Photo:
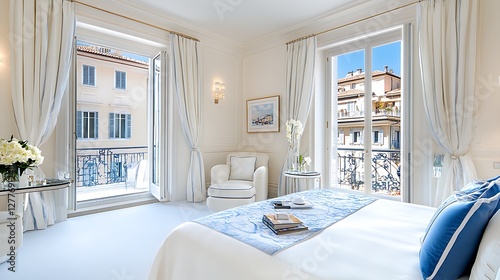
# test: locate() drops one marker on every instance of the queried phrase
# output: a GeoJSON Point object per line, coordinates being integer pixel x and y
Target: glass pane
{"type": "Point", "coordinates": [156, 118]}
{"type": "Point", "coordinates": [109, 166]}
{"type": "Point", "coordinates": [386, 119]}
{"type": "Point", "coordinates": [348, 161]}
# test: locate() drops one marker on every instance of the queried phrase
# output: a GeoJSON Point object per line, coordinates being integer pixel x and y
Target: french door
{"type": "Point", "coordinates": [367, 110]}
{"type": "Point", "coordinates": [159, 108]}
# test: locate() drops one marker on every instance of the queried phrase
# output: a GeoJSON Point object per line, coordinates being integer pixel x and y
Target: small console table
{"type": "Point", "coordinates": [296, 176]}
{"type": "Point", "coordinates": [51, 184]}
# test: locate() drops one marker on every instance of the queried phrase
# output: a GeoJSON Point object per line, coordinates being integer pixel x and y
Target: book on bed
{"type": "Point", "coordinates": [287, 223]}
{"type": "Point", "coordinates": [294, 229]}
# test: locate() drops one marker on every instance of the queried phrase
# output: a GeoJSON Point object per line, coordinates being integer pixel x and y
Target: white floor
{"type": "Point", "coordinates": [113, 245]}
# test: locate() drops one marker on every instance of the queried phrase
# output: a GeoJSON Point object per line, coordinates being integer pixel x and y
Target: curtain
{"type": "Point", "coordinates": [447, 34]}
{"type": "Point", "coordinates": [41, 34]}
{"type": "Point", "coordinates": [187, 89]}
{"type": "Point", "coordinates": [301, 56]}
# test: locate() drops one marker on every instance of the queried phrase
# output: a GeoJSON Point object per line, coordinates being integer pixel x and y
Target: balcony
{"type": "Point", "coordinates": [344, 114]}
{"type": "Point", "coordinates": [385, 170]}
{"type": "Point", "coordinates": [107, 172]}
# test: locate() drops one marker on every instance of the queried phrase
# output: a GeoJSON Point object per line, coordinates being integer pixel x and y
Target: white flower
{"type": "Point", "coordinates": [307, 160]}
{"type": "Point", "coordinates": [294, 130]}
{"type": "Point", "coordinates": [19, 153]}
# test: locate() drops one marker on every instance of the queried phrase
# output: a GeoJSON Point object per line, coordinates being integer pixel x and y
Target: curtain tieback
{"type": "Point", "coordinates": [455, 156]}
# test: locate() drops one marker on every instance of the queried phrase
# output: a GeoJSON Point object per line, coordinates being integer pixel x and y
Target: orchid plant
{"type": "Point", "coordinates": [294, 130]}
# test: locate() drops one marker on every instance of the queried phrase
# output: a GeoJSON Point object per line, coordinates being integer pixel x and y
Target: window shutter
{"type": "Point", "coordinates": [96, 125]}
{"type": "Point", "coordinates": [123, 80]}
{"type": "Point", "coordinates": [128, 127]}
{"type": "Point", "coordinates": [85, 75]}
{"type": "Point", "coordinates": [92, 75]}
{"type": "Point", "coordinates": [111, 125]}
{"type": "Point", "coordinates": [117, 79]}
{"type": "Point", "coordinates": [79, 124]}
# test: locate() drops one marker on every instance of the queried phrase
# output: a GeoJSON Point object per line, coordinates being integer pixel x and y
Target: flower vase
{"type": "Point", "coordinates": [293, 159]}
{"type": "Point", "coordinates": [10, 177]}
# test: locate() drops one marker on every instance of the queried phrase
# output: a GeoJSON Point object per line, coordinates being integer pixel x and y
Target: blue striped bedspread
{"type": "Point", "coordinates": [244, 223]}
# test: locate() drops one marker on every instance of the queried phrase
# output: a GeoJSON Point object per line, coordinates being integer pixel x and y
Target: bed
{"type": "Point", "coordinates": [380, 240]}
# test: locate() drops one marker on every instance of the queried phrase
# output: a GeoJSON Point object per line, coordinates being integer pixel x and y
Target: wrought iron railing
{"type": "Point", "coordinates": [361, 114]}
{"type": "Point", "coordinates": [99, 166]}
{"type": "Point", "coordinates": [385, 169]}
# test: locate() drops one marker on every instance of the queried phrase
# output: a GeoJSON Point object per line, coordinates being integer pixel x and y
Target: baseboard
{"type": "Point", "coordinates": [94, 207]}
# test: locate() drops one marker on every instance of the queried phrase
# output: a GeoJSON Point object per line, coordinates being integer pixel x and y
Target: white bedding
{"type": "Point", "coordinates": [380, 241]}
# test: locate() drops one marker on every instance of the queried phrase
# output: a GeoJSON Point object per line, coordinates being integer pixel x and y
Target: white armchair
{"type": "Point", "coordinates": [242, 180]}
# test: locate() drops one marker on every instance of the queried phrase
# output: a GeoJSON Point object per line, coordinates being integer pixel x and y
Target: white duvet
{"type": "Point", "coordinates": [380, 241]}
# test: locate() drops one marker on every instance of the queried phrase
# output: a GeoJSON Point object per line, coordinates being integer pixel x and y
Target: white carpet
{"type": "Point", "coordinates": [114, 245]}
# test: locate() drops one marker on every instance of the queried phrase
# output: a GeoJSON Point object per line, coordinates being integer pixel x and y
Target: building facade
{"type": "Point", "coordinates": [386, 130]}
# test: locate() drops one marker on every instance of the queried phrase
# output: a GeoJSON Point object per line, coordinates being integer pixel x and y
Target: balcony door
{"type": "Point", "coordinates": [117, 114]}
{"type": "Point", "coordinates": [367, 107]}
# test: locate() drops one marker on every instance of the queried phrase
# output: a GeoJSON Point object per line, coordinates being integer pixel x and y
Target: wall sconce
{"type": "Point", "coordinates": [219, 92]}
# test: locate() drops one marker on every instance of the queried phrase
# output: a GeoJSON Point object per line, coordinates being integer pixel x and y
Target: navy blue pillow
{"type": "Point", "coordinates": [453, 236]}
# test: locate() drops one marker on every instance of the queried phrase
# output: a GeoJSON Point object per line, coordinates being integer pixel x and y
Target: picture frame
{"type": "Point", "coordinates": [263, 114]}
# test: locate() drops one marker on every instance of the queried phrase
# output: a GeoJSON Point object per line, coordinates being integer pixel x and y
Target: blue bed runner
{"type": "Point", "coordinates": [244, 223]}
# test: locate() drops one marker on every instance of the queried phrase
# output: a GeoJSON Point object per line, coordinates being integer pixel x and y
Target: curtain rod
{"type": "Point", "coordinates": [354, 22]}
{"type": "Point", "coordinates": [136, 20]}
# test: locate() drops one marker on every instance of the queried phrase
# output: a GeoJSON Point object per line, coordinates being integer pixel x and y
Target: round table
{"type": "Point", "coordinates": [296, 176]}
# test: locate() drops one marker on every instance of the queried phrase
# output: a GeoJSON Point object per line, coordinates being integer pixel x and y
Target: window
{"type": "Point", "coordinates": [369, 134]}
{"type": "Point", "coordinates": [87, 125]}
{"type": "Point", "coordinates": [356, 136]}
{"type": "Point", "coordinates": [120, 80]}
{"type": "Point", "coordinates": [395, 138]}
{"type": "Point", "coordinates": [351, 108]}
{"type": "Point", "coordinates": [378, 136]}
{"type": "Point", "coordinates": [120, 126]}
{"type": "Point", "coordinates": [341, 137]}
{"type": "Point", "coordinates": [88, 75]}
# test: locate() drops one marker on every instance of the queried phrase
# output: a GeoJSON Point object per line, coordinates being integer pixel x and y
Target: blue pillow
{"type": "Point", "coordinates": [453, 236]}
{"type": "Point", "coordinates": [472, 190]}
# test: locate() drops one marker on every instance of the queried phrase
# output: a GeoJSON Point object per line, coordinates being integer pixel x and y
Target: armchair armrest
{"type": "Point", "coordinates": [219, 173]}
{"type": "Point", "coordinates": [260, 182]}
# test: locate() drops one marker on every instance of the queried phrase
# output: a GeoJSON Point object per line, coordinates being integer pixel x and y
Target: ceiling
{"type": "Point", "coordinates": [245, 20]}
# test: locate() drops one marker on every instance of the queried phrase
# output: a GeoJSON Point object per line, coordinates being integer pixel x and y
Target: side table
{"type": "Point", "coordinates": [296, 176]}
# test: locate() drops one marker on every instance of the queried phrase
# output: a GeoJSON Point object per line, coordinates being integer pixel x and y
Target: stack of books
{"type": "Point", "coordinates": [282, 223]}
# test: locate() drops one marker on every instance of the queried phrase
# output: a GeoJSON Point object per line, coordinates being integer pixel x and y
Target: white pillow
{"type": "Point", "coordinates": [487, 263]}
{"type": "Point", "coordinates": [242, 168]}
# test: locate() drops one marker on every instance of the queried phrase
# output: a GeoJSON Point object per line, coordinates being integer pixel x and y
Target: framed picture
{"type": "Point", "coordinates": [263, 114]}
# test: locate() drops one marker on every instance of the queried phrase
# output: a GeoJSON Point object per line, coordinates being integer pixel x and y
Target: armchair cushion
{"type": "Point", "coordinates": [242, 168]}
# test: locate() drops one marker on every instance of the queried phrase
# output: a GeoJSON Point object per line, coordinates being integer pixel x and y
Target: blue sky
{"type": "Point", "coordinates": [389, 55]}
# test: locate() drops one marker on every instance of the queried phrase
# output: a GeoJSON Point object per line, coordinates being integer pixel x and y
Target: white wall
{"type": "Point", "coordinates": [258, 70]}
{"type": "Point", "coordinates": [264, 75]}
{"type": "Point", "coordinates": [268, 52]}
{"type": "Point", "coordinates": [486, 144]}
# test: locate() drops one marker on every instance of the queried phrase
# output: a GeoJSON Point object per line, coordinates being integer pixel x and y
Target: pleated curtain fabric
{"type": "Point", "coordinates": [42, 34]}
{"type": "Point", "coordinates": [186, 79]}
{"type": "Point", "coordinates": [447, 48]}
{"type": "Point", "coordinates": [301, 57]}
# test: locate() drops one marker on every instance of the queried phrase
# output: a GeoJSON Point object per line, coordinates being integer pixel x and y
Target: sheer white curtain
{"type": "Point", "coordinates": [187, 89]}
{"type": "Point", "coordinates": [41, 33]}
{"type": "Point", "coordinates": [301, 56]}
{"type": "Point", "coordinates": [447, 34]}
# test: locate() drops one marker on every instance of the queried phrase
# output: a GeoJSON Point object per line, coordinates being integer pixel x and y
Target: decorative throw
{"type": "Point", "coordinates": [244, 223]}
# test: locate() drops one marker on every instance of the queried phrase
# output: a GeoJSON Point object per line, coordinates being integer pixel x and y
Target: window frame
{"type": "Point", "coordinates": [122, 80]}
{"type": "Point", "coordinates": [124, 129]}
{"type": "Point", "coordinates": [350, 43]}
{"type": "Point", "coordinates": [84, 82]}
{"type": "Point", "coordinates": [80, 125]}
